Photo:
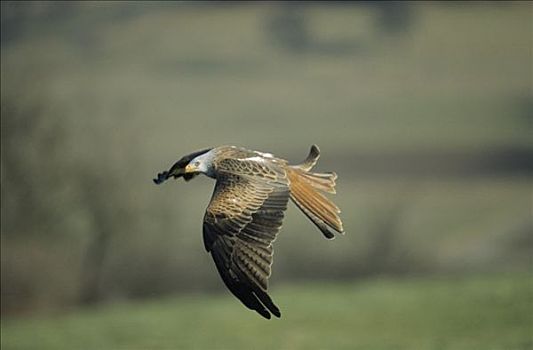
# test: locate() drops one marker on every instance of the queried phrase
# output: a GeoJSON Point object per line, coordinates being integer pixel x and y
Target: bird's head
{"type": "Point", "coordinates": [187, 167]}
{"type": "Point", "coordinates": [193, 167]}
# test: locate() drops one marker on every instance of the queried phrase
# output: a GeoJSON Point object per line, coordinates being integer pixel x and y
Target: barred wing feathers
{"type": "Point", "coordinates": [240, 224]}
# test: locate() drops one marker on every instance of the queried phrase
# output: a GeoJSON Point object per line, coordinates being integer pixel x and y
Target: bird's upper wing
{"type": "Point", "coordinates": [240, 224]}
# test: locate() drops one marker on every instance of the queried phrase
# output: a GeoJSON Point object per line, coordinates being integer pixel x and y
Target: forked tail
{"type": "Point", "coordinates": [306, 188]}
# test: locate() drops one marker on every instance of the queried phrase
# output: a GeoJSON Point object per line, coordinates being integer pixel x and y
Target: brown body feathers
{"type": "Point", "coordinates": [247, 209]}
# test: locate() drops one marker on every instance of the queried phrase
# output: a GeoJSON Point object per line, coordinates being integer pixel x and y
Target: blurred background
{"type": "Point", "coordinates": [423, 109]}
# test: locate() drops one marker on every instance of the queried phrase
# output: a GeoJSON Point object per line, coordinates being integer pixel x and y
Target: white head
{"type": "Point", "coordinates": [202, 164]}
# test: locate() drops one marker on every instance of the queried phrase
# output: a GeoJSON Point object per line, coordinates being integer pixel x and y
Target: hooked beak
{"type": "Point", "coordinates": [189, 168]}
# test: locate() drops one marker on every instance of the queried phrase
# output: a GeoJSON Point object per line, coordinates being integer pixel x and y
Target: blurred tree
{"type": "Point", "coordinates": [104, 195]}
{"type": "Point", "coordinates": [34, 169]}
{"type": "Point", "coordinates": [36, 184]}
{"type": "Point", "coordinates": [105, 223]}
{"type": "Point", "coordinates": [51, 198]}
{"type": "Point", "coordinates": [289, 27]}
{"type": "Point", "coordinates": [394, 17]}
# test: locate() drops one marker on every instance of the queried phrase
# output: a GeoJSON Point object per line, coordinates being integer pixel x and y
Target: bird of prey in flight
{"type": "Point", "coordinates": [247, 208]}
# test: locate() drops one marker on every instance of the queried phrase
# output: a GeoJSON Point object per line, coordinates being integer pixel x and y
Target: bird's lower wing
{"type": "Point", "coordinates": [240, 224]}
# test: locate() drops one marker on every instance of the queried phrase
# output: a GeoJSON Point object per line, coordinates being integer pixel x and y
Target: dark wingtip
{"type": "Point", "coordinates": [264, 313]}
{"type": "Point", "coordinates": [161, 177]}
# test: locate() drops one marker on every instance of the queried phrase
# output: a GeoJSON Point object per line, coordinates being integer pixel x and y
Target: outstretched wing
{"type": "Point", "coordinates": [240, 224]}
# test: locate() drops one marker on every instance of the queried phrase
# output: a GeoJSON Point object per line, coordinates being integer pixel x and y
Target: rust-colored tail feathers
{"type": "Point", "coordinates": [306, 188]}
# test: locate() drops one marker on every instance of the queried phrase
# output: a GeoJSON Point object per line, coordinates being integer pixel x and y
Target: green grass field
{"type": "Point", "coordinates": [493, 312]}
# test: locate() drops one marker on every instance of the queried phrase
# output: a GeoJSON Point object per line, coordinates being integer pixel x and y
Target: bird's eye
{"type": "Point", "coordinates": [197, 164]}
